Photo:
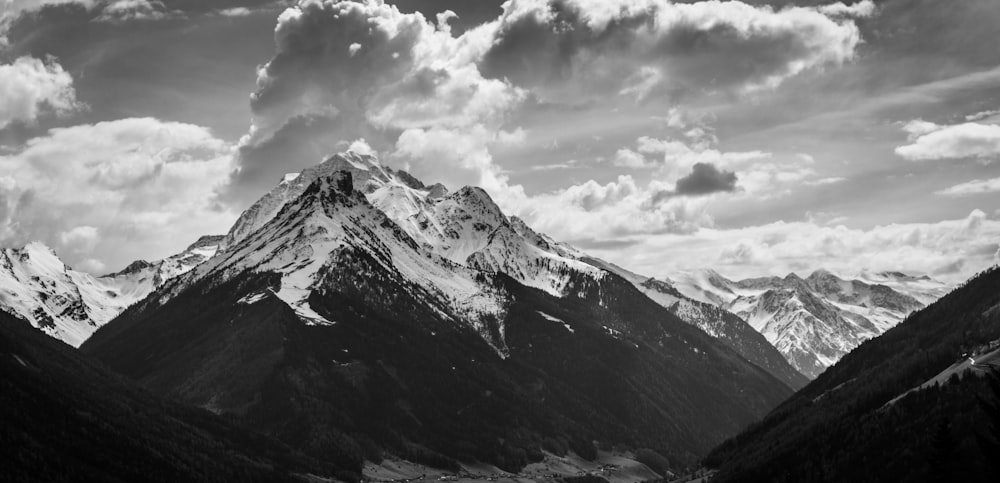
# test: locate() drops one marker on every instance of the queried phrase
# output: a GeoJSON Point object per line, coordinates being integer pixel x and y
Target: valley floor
{"type": "Point", "coordinates": [613, 467]}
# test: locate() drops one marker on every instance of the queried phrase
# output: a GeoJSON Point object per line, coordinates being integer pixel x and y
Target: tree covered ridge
{"type": "Point", "coordinates": [840, 427]}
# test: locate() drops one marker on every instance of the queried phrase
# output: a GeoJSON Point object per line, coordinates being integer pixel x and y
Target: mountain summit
{"type": "Point", "coordinates": [357, 310]}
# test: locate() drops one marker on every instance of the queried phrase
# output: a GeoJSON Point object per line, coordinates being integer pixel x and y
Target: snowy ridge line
{"type": "Point", "coordinates": [71, 305]}
{"type": "Point", "coordinates": [813, 321]}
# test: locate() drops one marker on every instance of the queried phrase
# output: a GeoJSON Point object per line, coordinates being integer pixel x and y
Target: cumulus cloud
{"type": "Point", "coordinates": [865, 8]}
{"type": "Point", "coordinates": [930, 141]}
{"type": "Point", "coordinates": [619, 208]}
{"type": "Point", "coordinates": [361, 146]}
{"type": "Point", "coordinates": [115, 191]}
{"type": "Point", "coordinates": [951, 249]}
{"type": "Point", "coordinates": [30, 86]}
{"type": "Point", "coordinates": [704, 179]}
{"type": "Point", "coordinates": [676, 158]}
{"type": "Point", "coordinates": [345, 70]}
{"type": "Point", "coordinates": [581, 48]}
{"type": "Point", "coordinates": [976, 187]}
{"type": "Point", "coordinates": [101, 10]}
{"type": "Point", "coordinates": [688, 163]}
{"type": "Point", "coordinates": [127, 10]}
{"type": "Point", "coordinates": [10, 10]}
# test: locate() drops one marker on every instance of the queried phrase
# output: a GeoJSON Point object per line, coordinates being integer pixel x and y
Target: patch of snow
{"type": "Point", "coordinates": [252, 298]}
{"type": "Point", "coordinates": [556, 320]}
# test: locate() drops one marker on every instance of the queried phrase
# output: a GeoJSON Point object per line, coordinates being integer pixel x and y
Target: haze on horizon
{"type": "Point", "coordinates": [750, 137]}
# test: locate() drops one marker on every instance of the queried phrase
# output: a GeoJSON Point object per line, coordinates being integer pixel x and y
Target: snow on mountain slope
{"type": "Point", "coordinates": [465, 227]}
{"type": "Point", "coordinates": [329, 223]}
{"type": "Point", "coordinates": [70, 305]}
{"type": "Point", "coordinates": [923, 288]}
{"type": "Point", "coordinates": [816, 320]}
{"type": "Point", "coordinates": [715, 321]}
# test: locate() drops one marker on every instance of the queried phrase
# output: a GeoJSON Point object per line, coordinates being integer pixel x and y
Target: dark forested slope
{"type": "Point", "coordinates": [848, 426]}
{"type": "Point", "coordinates": [68, 419]}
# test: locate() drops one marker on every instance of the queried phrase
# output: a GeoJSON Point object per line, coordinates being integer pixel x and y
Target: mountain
{"type": "Point", "coordinates": [354, 309]}
{"type": "Point", "coordinates": [889, 410]}
{"type": "Point", "coordinates": [812, 321]}
{"type": "Point", "coordinates": [66, 418]}
{"type": "Point", "coordinates": [725, 326]}
{"type": "Point", "coordinates": [921, 287]}
{"type": "Point", "coordinates": [70, 305]}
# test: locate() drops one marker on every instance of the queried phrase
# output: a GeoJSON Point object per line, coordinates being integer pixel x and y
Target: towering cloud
{"type": "Point", "coordinates": [118, 190]}
{"type": "Point", "coordinates": [28, 86]}
{"type": "Point", "coordinates": [345, 70]}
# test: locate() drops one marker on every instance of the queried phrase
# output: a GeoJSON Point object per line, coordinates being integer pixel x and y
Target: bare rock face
{"type": "Point", "coordinates": [343, 181]}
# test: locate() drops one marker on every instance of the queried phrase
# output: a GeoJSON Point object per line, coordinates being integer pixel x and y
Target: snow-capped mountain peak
{"type": "Point", "coordinates": [70, 305]}
{"type": "Point", "coordinates": [466, 226]}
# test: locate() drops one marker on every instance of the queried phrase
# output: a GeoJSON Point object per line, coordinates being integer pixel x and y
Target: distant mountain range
{"type": "Point", "coordinates": [70, 305]}
{"type": "Point", "coordinates": [813, 321]}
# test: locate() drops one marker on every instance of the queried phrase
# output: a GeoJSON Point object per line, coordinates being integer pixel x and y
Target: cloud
{"type": "Point", "coordinates": [100, 10]}
{"type": "Point", "coordinates": [30, 86]}
{"type": "Point", "coordinates": [627, 158]}
{"type": "Point", "coordinates": [676, 157]}
{"type": "Point", "coordinates": [979, 116]}
{"type": "Point", "coordinates": [762, 175]}
{"type": "Point", "coordinates": [361, 146]}
{"type": "Point", "coordinates": [80, 238]}
{"type": "Point", "coordinates": [11, 10]}
{"type": "Point", "coordinates": [705, 179]}
{"type": "Point", "coordinates": [620, 208]}
{"type": "Point", "coordinates": [115, 191]}
{"type": "Point", "coordinates": [865, 8]}
{"type": "Point", "coordinates": [347, 70]}
{"type": "Point", "coordinates": [235, 12]}
{"type": "Point", "coordinates": [951, 249]}
{"type": "Point", "coordinates": [568, 49]}
{"type": "Point", "coordinates": [929, 141]}
{"type": "Point", "coordinates": [825, 181]}
{"type": "Point", "coordinates": [976, 187]}
{"type": "Point", "coordinates": [130, 10]}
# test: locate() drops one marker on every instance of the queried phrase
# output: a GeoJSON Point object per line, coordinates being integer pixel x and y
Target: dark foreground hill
{"type": "Point", "coordinates": [860, 421]}
{"type": "Point", "coordinates": [68, 419]}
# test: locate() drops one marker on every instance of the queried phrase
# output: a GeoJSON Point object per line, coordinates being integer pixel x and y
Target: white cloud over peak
{"type": "Point", "coordinates": [30, 86]}
{"type": "Point", "coordinates": [362, 69]}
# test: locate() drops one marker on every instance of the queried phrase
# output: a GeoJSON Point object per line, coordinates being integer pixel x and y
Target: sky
{"type": "Point", "coordinates": [754, 138]}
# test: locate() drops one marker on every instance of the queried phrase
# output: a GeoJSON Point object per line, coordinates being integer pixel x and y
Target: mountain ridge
{"type": "Point", "coordinates": [812, 321]}
{"type": "Point", "coordinates": [336, 324]}
{"type": "Point", "coordinates": [874, 405]}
